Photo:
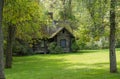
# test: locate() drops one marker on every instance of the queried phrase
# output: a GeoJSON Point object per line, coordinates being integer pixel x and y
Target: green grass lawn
{"type": "Point", "coordinates": [90, 64]}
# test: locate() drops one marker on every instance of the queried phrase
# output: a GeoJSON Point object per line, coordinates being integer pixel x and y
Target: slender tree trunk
{"type": "Point", "coordinates": [10, 41]}
{"type": "Point", "coordinates": [113, 67]}
{"type": "Point", "coordinates": [2, 76]}
{"type": "Point", "coordinates": [70, 8]}
{"type": "Point", "coordinates": [64, 10]}
{"type": "Point", "coordinates": [67, 9]}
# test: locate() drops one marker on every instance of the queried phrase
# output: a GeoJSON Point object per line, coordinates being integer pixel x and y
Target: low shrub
{"type": "Point", "coordinates": [75, 46]}
{"type": "Point", "coordinates": [21, 49]}
{"type": "Point", "coordinates": [54, 49]}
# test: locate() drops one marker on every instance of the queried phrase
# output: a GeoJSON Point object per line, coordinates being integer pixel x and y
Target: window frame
{"type": "Point", "coordinates": [42, 44]}
{"type": "Point", "coordinates": [63, 43]}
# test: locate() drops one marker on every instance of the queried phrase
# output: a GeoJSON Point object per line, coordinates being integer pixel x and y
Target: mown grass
{"type": "Point", "coordinates": [86, 64]}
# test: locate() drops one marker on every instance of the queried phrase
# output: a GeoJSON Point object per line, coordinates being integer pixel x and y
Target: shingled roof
{"type": "Point", "coordinates": [54, 30]}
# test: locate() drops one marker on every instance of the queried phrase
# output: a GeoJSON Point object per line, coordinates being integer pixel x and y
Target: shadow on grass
{"type": "Point", "coordinates": [87, 51]}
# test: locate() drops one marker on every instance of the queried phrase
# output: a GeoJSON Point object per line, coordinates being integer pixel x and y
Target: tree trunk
{"type": "Point", "coordinates": [10, 40]}
{"type": "Point", "coordinates": [70, 8]}
{"type": "Point", "coordinates": [113, 67]}
{"type": "Point", "coordinates": [64, 10]}
{"type": "Point", "coordinates": [2, 76]}
{"type": "Point", "coordinates": [67, 12]}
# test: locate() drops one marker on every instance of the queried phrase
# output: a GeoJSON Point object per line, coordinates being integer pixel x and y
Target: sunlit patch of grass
{"type": "Point", "coordinates": [86, 64]}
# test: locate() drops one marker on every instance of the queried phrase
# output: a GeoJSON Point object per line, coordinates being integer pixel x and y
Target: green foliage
{"type": "Point", "coordinates": [93, 22]}
{"type": "Point", "coordinates": [75, 46]}
{"type": "Point", "coordinates": [27, 16]}
{"type": "Point", "coordinates": [118, 43]}
{"type": "Point", "coordinates": [58, 49]}
{"type": "Point", "coordinates": [54, 49]}
{"type": "Point", "coordinates": [86, 64]}
{"type": "Point", "coordinates": [81, 44]}
{"type": "Point", "coordinates": [90, 17]}
{"type": "Point", "coordinates": [92, 45]}
{"type": "Point", "coordinates": [21, 49]}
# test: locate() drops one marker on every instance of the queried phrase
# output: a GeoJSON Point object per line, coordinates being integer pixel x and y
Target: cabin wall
{"type": "Point", "coordinates": [40, 46]}
{"type": "Point", "coordinates": [64, 35]}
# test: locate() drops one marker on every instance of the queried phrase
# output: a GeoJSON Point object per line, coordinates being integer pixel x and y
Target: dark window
{"type": "Point", "coordinates": [63, 43]}
{"type": "Point", "coordinates": [63, 31]}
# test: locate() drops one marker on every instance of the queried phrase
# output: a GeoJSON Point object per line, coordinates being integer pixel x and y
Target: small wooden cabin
{"type": "Point", "coordinates": [61, 35]}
